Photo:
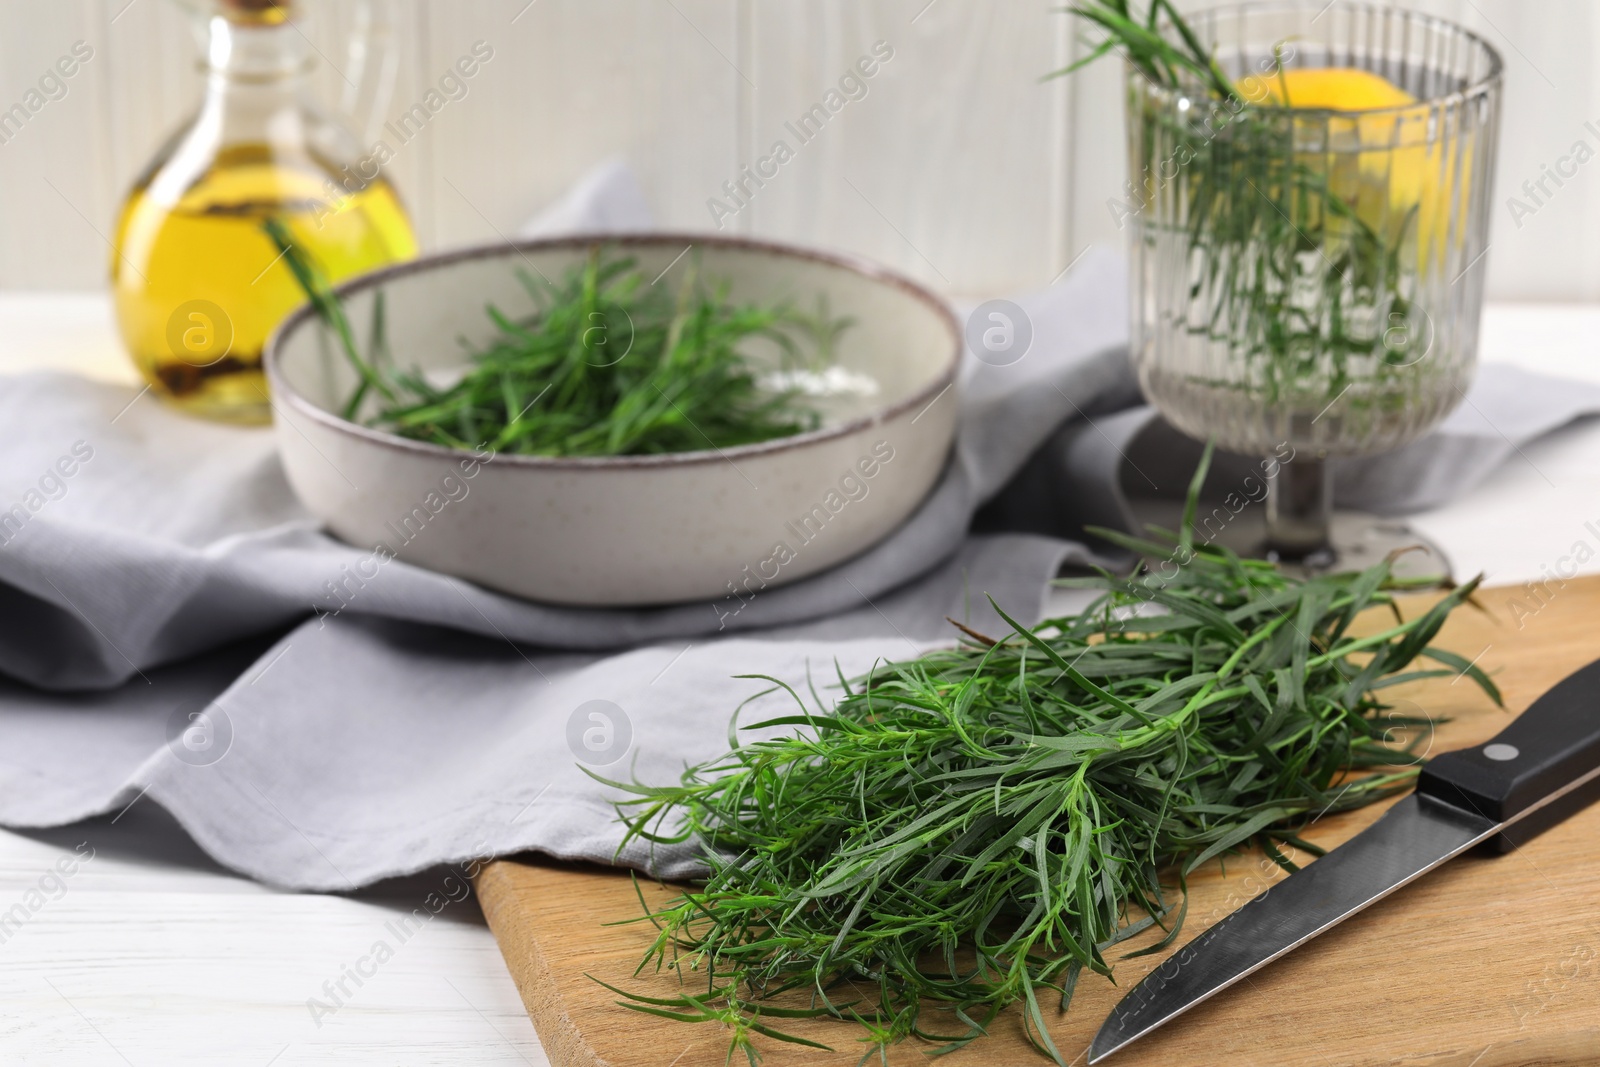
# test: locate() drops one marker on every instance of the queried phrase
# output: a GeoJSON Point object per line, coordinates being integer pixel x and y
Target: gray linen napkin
{"type": "Point", "coordinates": [154, 554]}
{"type": "Point", "coordinates": [157, 630]}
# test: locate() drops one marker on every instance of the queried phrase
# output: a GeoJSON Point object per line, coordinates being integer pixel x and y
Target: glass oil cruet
{"type": "Point", "coordinates": [197, 282]}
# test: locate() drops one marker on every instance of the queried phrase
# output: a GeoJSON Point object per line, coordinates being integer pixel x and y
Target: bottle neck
{"type": "Point", "coordinates": [256, 82]}
{"type": "Point", "coordinates": [257, 96]}
{"type": "Point", "coordinates": [258, 107]}
{"type": "Point", "coordinates": [246, 52]}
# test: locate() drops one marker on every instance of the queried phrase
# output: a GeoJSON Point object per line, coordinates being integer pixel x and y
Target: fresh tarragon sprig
{"type": "Point", "coordinates": [976, 827]}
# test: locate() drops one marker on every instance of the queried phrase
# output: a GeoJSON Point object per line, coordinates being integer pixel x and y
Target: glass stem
{"type": "Point", "coordinates": [1299, 510]}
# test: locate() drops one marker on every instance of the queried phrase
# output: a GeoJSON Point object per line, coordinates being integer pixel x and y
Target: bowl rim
{"type": "Point", "coordinates": [283, 392]}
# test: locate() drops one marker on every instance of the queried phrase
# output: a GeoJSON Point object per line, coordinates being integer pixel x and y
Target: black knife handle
{"type": "Point", "coordinates": [1548, 748]}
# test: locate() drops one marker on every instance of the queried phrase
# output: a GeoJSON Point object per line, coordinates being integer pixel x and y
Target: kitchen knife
{"type": "Point", "coordinates": [1542, 768]}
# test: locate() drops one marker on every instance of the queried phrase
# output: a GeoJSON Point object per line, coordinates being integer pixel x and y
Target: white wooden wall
{"type": "Point", "coordinates": [959, 166]}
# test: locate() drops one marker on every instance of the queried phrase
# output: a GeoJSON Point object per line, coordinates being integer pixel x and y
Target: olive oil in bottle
{"type": "Point", "coordinates": [197, 283]}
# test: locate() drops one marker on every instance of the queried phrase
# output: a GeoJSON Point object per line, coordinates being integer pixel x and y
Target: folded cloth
{"type": "Point", "coordinates": [165, 631]}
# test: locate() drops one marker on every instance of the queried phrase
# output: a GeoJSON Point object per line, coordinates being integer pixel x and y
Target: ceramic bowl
{"type": "Point", "coordinates": [631, 530]}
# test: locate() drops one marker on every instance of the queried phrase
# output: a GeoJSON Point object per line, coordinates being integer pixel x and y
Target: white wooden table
{"type": "Point", "coordinates": [152, 954]}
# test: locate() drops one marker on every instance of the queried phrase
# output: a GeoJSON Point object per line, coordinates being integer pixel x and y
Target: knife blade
{"type": "Point", "coordinates": [1542, 768]}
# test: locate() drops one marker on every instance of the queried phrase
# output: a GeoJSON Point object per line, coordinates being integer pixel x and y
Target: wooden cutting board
{"type": "Point", "coordinates": [1487, 962]}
